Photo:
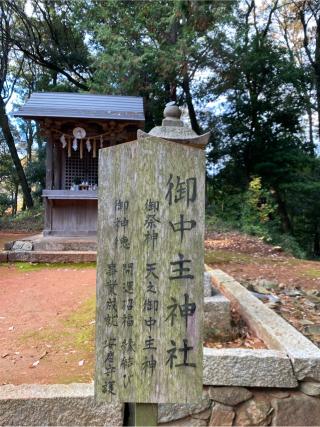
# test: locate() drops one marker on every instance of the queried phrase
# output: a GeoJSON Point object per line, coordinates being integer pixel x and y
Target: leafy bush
{"type": "Point", "coordinates": [258, 208]}
{"type": "Point", "coordinates": [253, 212]}
{"type": "Point", "coordinates": [289, 244]}
{"type": "Point", "coordinates": [214, 223]}
{"type": "Point", "coordinates": [5, 203]}
{"type": "Point", "coordinates": [29, 220]}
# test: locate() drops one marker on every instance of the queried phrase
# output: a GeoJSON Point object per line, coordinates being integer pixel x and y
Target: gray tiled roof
{"type": "Point", "coordinates": [76, 105]}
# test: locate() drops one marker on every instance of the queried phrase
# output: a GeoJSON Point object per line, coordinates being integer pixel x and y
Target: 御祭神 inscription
{"type": "Point", "coordinates": [151, 222]}
{"type": "Point", "coordinates": [150, 272]}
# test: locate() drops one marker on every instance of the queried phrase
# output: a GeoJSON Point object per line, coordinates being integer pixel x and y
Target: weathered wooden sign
{"type": "Point", "coordinates": [150, 272]}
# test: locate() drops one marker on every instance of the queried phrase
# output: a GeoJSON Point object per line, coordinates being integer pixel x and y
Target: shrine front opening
{"type": "Point", "coordinates": [76, 127]}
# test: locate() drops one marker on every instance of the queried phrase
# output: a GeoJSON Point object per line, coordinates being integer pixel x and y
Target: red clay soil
{"type": "Point", "coordinates": [249, 258]}
{"type": "Point", "coordinates": [297, 281]}
{"type": "Point", "coordinates": [33, 301]}
{"type": "Point", "coordinates": [47, 314]}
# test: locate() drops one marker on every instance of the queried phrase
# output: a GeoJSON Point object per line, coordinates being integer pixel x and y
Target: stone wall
{"type": "Point", "coordinates": [74, 405]}
{"type": "Point", "coordinates": [276, 386]}
{"type": "Point", "coordinates": [55, 405]}
{"type": "Point", "coordinates": [69, 405]}
{"type": "Point", "coordinates": [239, 406]}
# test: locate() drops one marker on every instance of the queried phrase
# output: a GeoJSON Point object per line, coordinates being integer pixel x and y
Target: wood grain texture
{"type": "Point", "coordinates": [49, 162]}
{"type": "Point", "coordinates": [143, 414]}
{"type": "Point", "coordinates": [57, 165]}
{"type": "Point", "coordinates": [134, 173]}
{"type": "Point", "coordinates": [70, 216]}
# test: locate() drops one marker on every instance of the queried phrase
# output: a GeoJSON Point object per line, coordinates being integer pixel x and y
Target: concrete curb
{"type": "Point", "coordinates": [247, 368]}
{"type": "Point", "coordinates": [271, 328]}
{"type": "Point", "coordinates": [57, 404]}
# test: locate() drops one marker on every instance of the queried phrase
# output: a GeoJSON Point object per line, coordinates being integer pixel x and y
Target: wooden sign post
{"type": "Point", "coordinates": [150, 273]}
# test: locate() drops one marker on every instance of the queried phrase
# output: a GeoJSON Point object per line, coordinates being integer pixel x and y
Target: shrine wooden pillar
{"type": "Point", "coordinates": [49, 162]}
{"type": "Point", "coordinates": [57, 165]}
{"type": "Point", "coordinates": [49, 183]}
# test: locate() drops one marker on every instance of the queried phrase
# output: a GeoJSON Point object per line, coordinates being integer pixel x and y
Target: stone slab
{"type": "Point", "coordinates": [254, 413]}
{"type": "Point", "coordinates": [217, 317]}
{"type": "Point", "coordinates": [310, 388]}
{"type": "Point", "coordinates": [247, 368]}
{"type": "Point", "coordinates": [65, 244]}
{"type": "Point", "coordinates": [207, 285]}
{"type": "Point", "coordinates": [8, 245]}
{"type": "Point", "coordinates": [22, 245]}
{"type": "Point", "coordinates": [168, 412]}
{"type": "Point", "coordinates": [3, 256]}
{"type": "Point", "coordinates": [56, 405]}
{"type": "Point", "coordinates": [271, 328]}
{"type": "Point", "coordinates": [52, 256]}
{"type": "Point", "coordinates": [231, 396]}
{"type": "Point", "coordinates": [221, 415]}
{"type": "Point", "coordinates": [296, 410]}
{"type": "Point", "coordinates": [186, 422]}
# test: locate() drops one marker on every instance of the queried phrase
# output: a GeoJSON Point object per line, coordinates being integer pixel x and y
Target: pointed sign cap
{"type": "Point", "coordinates": [173, 129]}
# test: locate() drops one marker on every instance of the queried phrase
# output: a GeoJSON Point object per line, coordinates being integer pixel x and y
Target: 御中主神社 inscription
{"type": "Point", "coordinates": [150, 272]}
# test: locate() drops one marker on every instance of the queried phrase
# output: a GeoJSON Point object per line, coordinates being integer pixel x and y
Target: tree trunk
{"type": "Point", "coordinates": [192, 114]}
{"type": "Point", "coordinates": [317, 70]}
{"type": "Point", "coordinates": [12, 203]}
{"type": "Point", "coordinates": [316, 243]}
{"type": "Point", "coordinates": [16, 191]}
{"type": "Point", "coordinates": [283, 213]}
{"type": "Point", "coordinates": [4, 125]}
{"type": "Point", "coordinates": [318, 99]}
{"type": "Point", "coordinates": [23, 207]}
{"type": "Point", "coordinates": [310, 122]}
{"type": "Point", "coordinates": [29, 136]}
{"type": "Point", "coordinates": [150, 120]}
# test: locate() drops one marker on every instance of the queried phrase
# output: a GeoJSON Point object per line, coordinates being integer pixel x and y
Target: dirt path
{"type": "Point", "coordinates": [47, 312]}
{"type": "Point", "coordinates": [46, 316]}
{"type": "Point", "coordinates": [247, 258]}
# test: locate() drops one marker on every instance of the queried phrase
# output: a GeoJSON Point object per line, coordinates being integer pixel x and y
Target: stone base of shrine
{"type": "Point", "coordinates": [51, 249]}
{"type": "Point", "coordinates": [74, 404]}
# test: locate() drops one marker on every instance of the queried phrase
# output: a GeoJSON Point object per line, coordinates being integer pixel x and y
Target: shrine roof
{"type": "Point", "coordinates": [82, 106]}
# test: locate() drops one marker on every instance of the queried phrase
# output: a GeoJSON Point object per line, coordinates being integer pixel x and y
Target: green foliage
{"type": "Point", "coordinates": [35, 173]}
{"type": "Point", "coordinates": [260, 134]}
{"type": "Point", "coordinates": [30, 220]}
{"type": "Point", "coordinates": [214, 223]}
{"type": "Point", "coordinates": [289, 244]}
{"type": "Point", "coordinates": [153, 49]}
{"type": "Point", "coordinates": [253, 212]}
{"type": "Point", "coordinates": [258, 208]}
{"type": "Point", "coordinates": [31, 266]}
{"type": "Point", "coordinates": [9, 183]}
{"type": "Point", "coordinates": [200, 53]}
{"type": "Point", "coordinates": [5, 203]}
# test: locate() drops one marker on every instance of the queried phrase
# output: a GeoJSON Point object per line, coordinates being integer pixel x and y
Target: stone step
{"type": "Point", "coordinates": [55, 244]}
{"type": "Point", "coordinates": [48, 256]}
{"type": "Point", "coordinates": [52, 243]}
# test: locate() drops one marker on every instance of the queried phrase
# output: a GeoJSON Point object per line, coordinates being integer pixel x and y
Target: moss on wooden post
{"type": "Point", "coordinates": [150, 273]}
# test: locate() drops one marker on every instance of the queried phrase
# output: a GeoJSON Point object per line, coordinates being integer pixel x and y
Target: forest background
{"type": "Point", "coordinates": [247, 70]}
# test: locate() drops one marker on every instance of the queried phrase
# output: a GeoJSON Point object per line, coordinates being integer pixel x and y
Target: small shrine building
{"type": "Point", "coordinates": [76, 126]}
